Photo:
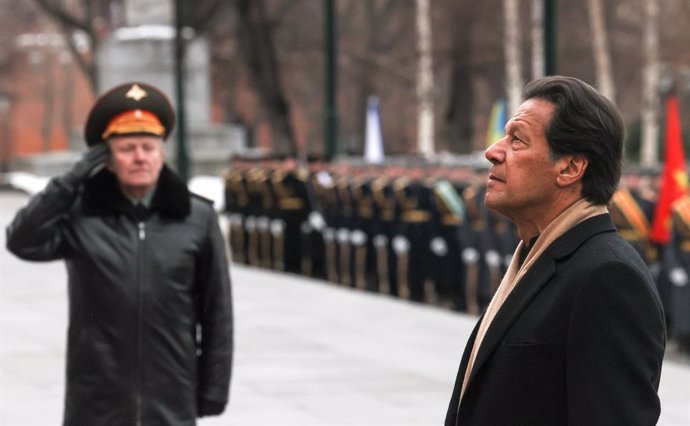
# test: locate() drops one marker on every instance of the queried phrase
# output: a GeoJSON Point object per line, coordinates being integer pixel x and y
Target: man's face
{"type": "Point", "coordinates": [522, 181]}
{"type": "Point", "coordinates": [136, 161]}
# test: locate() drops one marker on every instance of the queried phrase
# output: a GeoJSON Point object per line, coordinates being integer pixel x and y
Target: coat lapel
{"type": "Point", "coordinates": [532, 282]}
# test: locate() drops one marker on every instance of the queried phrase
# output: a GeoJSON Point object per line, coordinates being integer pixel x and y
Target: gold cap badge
{"type": "Point", "coordinates": [136, 93]}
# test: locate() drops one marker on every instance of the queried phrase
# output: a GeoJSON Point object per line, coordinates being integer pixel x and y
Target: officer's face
{"type": "Point", "coordinates": [136, 161]}
{"type": "Point", "coordinates": [522, 182]}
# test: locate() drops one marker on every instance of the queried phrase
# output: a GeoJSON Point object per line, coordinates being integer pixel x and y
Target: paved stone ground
{"type": "Point", "coordinates": [307, 352]}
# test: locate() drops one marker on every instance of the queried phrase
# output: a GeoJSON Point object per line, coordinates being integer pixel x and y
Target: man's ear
{"type": "Point", "coordinates": [572, 169]}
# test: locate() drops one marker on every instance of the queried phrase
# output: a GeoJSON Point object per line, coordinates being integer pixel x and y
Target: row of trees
{"type": "Point", "coordinates": [442, 62]}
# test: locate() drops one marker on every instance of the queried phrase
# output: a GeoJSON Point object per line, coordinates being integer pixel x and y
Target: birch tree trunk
{"type": "Point", "coordinates": [600, 48]}
{"type": "Point", "coordinates": [537, 33]}
{"type": "Point", "coordinates": [425, 81]}
{"type": "Point", "coordinates": [650, 99]}
{"type": "Point", "coordinates": [512, 55]}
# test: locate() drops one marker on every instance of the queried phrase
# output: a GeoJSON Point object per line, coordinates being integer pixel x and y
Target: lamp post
{"type": "Point", "coordinates": [550, 42]}
{"type": "Point", "coordinates": [5, 142]}
{"type": "Point", "coordinates": [330, 85]}
{"type": "Point", "coordinates": [179, 43]}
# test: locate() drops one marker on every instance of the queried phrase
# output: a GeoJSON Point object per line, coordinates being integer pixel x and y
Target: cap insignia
{"type": "Point", "coordinates": [136, 93]}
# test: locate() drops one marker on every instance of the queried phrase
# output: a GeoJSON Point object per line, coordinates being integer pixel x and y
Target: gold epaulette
{"type": "Point", "coordinates": [400, 183]}
{"type": "Point", "coordinates": [378, 184]}
{"type": "Point", "coordinates": [416, 216]}
{"type": "Point", "coordinates": [257, 175]}
{"type": "Point", "coordinates": [450, 219]}
{"type": "Point", "coordinates": [302, 173]}
{"type": "Point", "coordinates": [629, 235]}
{"type": "Point", "coordinates": [364, 210]}
{"type": "Point", "coordinates": [681, 208]}
{"type": "Point", "coordinates": [630, 209]}
{"type": "Point", "coordinates": [290, 203]}
{"type": "Point", "coordinates": [278, 175]}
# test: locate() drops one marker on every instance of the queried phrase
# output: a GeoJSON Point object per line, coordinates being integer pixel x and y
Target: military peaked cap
{"type": "Point", "coordinates": [131, 108]}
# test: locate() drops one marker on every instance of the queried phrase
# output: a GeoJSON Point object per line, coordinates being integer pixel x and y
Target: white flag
{"type": "Point", "coordinates": [373, 144]}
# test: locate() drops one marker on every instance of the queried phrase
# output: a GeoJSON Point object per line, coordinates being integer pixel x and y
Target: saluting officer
{"type": "Point", "coordinates": [150, 311]}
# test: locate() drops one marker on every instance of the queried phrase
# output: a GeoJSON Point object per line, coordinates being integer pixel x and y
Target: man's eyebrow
{"type": "Point", "coordinates": [513, 124]}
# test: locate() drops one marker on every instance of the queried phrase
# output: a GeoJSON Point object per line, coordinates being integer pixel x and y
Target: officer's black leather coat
{"type": "Point", "coordinates": [150, 320]}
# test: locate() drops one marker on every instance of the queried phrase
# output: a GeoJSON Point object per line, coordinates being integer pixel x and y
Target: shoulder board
{"type": "Point", "coordinates": [630, 209]}
{"type": "Point", "coordinates": [302, 174]}
{"type": "Point", "coordinates": [400, 183]}
{"type": "Point", "coordinates": [278, 175]}
{"type": "Point", "coordinates": [682, 208]}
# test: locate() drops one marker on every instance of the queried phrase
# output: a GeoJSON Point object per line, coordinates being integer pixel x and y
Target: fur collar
{"type": "Point", "coordinates": [102, 195]}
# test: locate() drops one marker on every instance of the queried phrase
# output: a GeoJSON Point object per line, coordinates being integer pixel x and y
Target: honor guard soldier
{"type": "Point", "coordinates": [384, 217]}
{"type": "Point", "coordinates": [346, 212]}
{"type": "Point", "coordinates": [364, 270]}
{"type": "Point", "coordinates": [633, 222]}
{"type": "Point", "coordinates": [313, 246]}
{"type": "Point", "coordinates": [236, 207]}
{"type": "Point", "coordinates": [290, 185]}
{"type": "Point", "coordinates": [325, 190]}
{"type": "Point", "coordinates": [678, 269]}
{"type": "Point", "coordinates": [257, 223]}
{"type": "Point", "coordinates": [447, 269]}
{"type": "Point", "coordinates": [472, 255]}
{"type": "Point", "coordinates": [499, 240]}
{"type": "Point", "coordinates": [415, 199]}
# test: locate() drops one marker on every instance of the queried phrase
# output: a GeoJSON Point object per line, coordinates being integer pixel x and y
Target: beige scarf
{"type": "Point", "coordinates": [576, 213]}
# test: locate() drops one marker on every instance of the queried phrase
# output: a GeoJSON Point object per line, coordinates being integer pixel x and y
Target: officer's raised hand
{"type": "Point", "coordinates": [92, 158]}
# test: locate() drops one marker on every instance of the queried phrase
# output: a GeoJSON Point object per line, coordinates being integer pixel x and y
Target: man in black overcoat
{"type": "Point", "coordinates": [575, 333]}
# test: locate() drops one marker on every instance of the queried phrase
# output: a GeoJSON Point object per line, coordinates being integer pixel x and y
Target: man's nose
{"type": "Point", "coordinates": [139, 154]}
{"type": "Point", "coordinates": [495, 153]}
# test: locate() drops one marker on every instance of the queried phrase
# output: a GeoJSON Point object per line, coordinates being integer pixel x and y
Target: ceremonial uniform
{"type": "Point", "coordinates": [293, 205]}
{"type": "Point", "coordinates": [327, 196]}
{"type": "Point", "coordinates": [679, 273]}
{"type": "Point", "coordinates": [477, 272]}
{"type": "Point", "coordinates": [258, 222]}
{"type": "Point", "coordinates": [632, 216]}
{"type": "Point", "coordinates": [415, 200]}
{"type": "Point", "coordinates": [448, 271]}
{"type": "Point", "coordinates": [383, 230]}
{"type": "Point", "coordinates": [344, 228]}
{"type": "Point", "coordinates": [364, 265]}
{"type": "Point", "coordinates": [236, 207]}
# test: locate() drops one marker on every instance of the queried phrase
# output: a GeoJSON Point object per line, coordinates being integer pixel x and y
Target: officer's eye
{"type": "Point", "coordinates": [125, 148]}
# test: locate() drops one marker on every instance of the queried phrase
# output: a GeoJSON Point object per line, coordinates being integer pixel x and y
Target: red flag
{"type": "Point", "coordinates": [674, 183]}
